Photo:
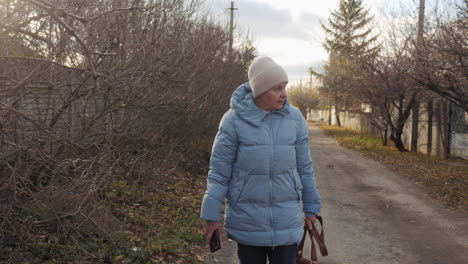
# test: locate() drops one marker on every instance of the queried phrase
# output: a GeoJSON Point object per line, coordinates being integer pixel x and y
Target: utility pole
{"type": "Point", "coordinates": [420, 40]}
{"type": "Point", "coordinates": [231, 29]}
{"type": "Point", "coordinates": [309, 110]}
{"type": "Point", "coordinates": [419, 54]}
{"type": "Point", "coordinates": [310, 81]}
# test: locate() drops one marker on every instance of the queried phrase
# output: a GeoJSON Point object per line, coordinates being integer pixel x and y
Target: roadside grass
{"type": "Point", "coordinates": [443, 179]}
{"type": "Point", "coordinates": [160, 220]}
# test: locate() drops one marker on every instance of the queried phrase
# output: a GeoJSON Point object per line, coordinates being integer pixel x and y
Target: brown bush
{"type": "Point", "coordinates": [94, 90]}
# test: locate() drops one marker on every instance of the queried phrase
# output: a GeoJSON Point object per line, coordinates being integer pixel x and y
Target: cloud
{"type": "Point", "coordinates": [298, 72]}
{"type": "Point", "coordinates": [311, 19]}
{"type": "Point", "coordinates": [298, 6]}
{"type": "Point", "coordinates": [291, 51]}
{"type": "Point", "coordinates": [267, 21]}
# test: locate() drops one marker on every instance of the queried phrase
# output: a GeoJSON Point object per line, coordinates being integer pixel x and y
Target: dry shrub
{"type": "Point", "coordinates": [98, 92]}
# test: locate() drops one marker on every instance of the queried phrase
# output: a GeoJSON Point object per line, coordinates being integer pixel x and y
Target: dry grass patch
{"type": "Point", "coordinates": [151, 217]}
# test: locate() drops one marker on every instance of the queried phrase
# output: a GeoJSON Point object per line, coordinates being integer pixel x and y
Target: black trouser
{"type": "Point", "coordinates": [258, 255]}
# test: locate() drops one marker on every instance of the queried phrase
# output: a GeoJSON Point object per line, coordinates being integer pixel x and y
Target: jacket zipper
{"type": "Point", "coordinates": [271, 181]}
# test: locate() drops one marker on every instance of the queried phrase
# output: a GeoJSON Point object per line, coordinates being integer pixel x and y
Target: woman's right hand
{"type": "Point", "coordinates": [209, 229]}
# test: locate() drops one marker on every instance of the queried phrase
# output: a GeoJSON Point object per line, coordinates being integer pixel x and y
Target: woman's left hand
{"type": "Point", "coordinates": [309, 221]}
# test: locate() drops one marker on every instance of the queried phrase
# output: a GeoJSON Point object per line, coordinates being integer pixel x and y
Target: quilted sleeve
{"type": "Point", "coordinates": [310, 195]}
{"type": "Point", "coordinates": [222, 158]}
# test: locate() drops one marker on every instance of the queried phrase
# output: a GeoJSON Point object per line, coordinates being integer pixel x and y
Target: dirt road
{"type": "Point", "coordinates": [374, 216]}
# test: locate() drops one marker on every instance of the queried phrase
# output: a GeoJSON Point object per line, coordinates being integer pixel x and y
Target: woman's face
{"type": "Point", "coordinates": [273, 99]}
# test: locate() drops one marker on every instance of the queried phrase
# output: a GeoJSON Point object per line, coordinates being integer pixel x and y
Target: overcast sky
{"type": "Point", "coordinates": [289, 30]}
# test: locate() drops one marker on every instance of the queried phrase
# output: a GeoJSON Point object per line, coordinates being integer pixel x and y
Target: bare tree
{"type": "Point", "coordinates": [91, 90]}
{"type": "Point", "coordinates": [386, 83]}
{"type": "Point", "coordinates": [303, 97]}
{"type": "Point", "coordinates": [444, 68]}
{"type": "Point", "coordinates": [391, 98]}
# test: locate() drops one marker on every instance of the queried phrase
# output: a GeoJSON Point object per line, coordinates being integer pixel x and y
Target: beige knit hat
{"type": "Point", "coordinates": [264, 73]}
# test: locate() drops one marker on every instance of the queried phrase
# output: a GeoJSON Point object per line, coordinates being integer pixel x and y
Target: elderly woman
{"type": "Point", "coordinates": [261, 163]}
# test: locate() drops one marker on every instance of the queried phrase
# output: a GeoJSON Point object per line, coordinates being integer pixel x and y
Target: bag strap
{"type": "Point", "coordinates": [320, 238]}
{"type": "Point", "coordinates": [301, 245]}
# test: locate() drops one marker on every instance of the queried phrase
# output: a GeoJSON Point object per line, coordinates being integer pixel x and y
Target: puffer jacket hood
{"type": "Point", "coordinates": [242, 102]}
{"type": "Point", "coordinates": [261, 163]}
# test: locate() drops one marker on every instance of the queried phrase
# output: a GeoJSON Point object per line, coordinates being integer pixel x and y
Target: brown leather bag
{"type": "Point", "coordinates": [319, 237]}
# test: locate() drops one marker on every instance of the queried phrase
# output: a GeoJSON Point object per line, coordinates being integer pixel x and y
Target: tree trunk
{"type": "Point", "coordinates": [337, 115]}
{"type": "Point", "coordinates": [415, 126]}
{"type": "Point", "coordinates": [329, 107]}
{"type": "Point", "coordinates": [337, 112]}
{"type": "Point", "coordinates": [448, 147]}
{"type": "Point", "coordinates": [396, 138]}
{"type": "Point", "coordinates": [430, 114]}
{"type": "Point", "coordinates": [304, 112]}
{"type": "Point", "coordinates": [385, 136]}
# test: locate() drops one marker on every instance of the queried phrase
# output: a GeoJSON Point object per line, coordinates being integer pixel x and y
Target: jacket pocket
{"type": "Point", "coordinates": [236, 187]}
{"type": "Point", "coordinates": [298, 184]}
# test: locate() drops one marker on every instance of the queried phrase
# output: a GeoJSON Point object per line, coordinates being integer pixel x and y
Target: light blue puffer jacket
{"type": "Point", "coordinates": [261, 162]}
